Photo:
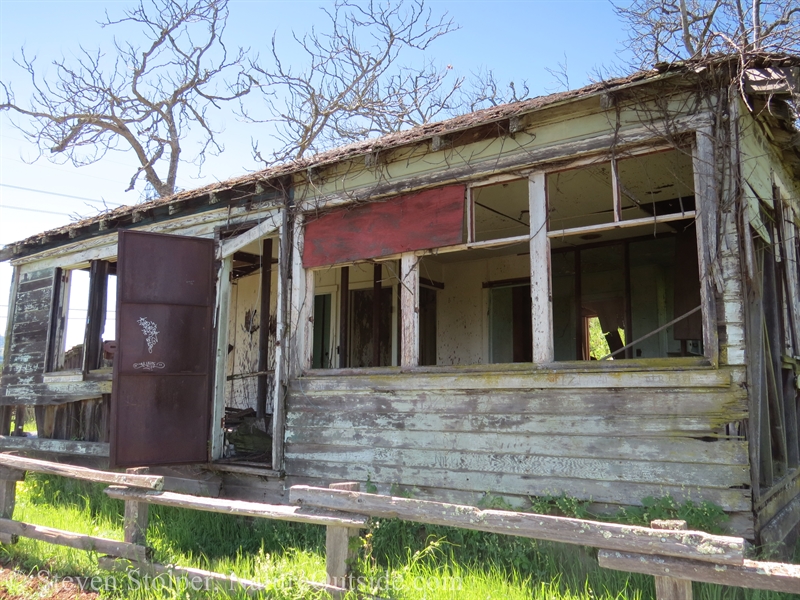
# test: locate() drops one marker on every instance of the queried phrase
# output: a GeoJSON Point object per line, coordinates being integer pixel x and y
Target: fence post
{"type": "Point", "coordinates": [670, 588]}
{"type": "Point", "coordinates": [136, 515]}
{"type": "Point", "coordinates": [8, 497]}
{"type": "Point", "coordinates": [338, 553]}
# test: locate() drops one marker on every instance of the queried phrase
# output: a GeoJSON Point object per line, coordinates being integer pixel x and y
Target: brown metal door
{"type": "Point", "coordinates": [161, 399]}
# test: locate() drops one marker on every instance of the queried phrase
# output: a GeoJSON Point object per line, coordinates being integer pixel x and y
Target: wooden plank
{"type": "Point", "coordinates": [54, 446]}
{"type": "Point", "coordinates": [726, 404]}
{"type": "Point", "coordinates": [682, 450]}
{"type": "Point", "coordinates": [423, 220]}
{"type": "Point", "coordinates": [466, 461]}
{"type": "Point", "coordinates": [614, 492]}
{"type": "Point", "coordinates": [536, 378]}
{"type": "Point", "coordinates": [782, 524]}
{"type": "Point", "coordinates": [751, 574]}
{"type": "Point", "coordinates": [695, 544]}
{"type": "Point", "coordinates": [74, 540]}
{"type": "Point", "coordinates": [559, 233]}
{"type": "Point", "coordinates": [238, 507]}
{"type": "Point", "coordinates": [703, 161]}
{"type": "Point", "coordinates": [271, 223]}
{"type": "Point", "coordinates": [541, 297]}
{"type": "Point", "coordinates": [11, 313]}
{"type": "Point", "coordinates": [591, 425]}
{"type": "Point", "coordinates": [153, 482]}
{"type": "Point", "coordinates": [670, 588]}
{"type": "Point", "coordinates": [95, 316]}
{"type": "Point", "coordinates": [340, 551]}
{"type": "Point", "coordinates": [409, 310]}
{"type": "Point", "coordinates": [135, 520]}
{"type": "Point", "coordinates": [217, 432]}
{"type": "Point", "coordinates": [281, 337]}
{"type": "Point", "coordinates": [344, 317]}
{"type": "Point", "coordinates": [44, 394]}
{"type": "Point", "coordinates": [263, 330]}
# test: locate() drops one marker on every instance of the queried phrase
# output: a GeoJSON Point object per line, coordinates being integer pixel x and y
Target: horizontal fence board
{"type": "Point", "coordinates": [648, 402]}
{"type": "Point", "coordinates": [154, 482]}
{"type": "Point", "coordinates": [591, 425]}
{"type": "Point", "coordinates": [702, 475]}
{"type": "Point", "coordinates": [77, 448]}
{"type": "Point", "coordinates": [239, 507]}
{"type": "Point", "coordinates": [74, 540]}
{"type": "Point", "coordinates": [731, 500]}
{"type": "Point", "coordinates": [777, 577]}
{"type": "Point", "coordinates": [536, 378]}
{"type": "Point", "coordinates": [667, 449]}
{"type": "Point", "coordinates": [695, 544]}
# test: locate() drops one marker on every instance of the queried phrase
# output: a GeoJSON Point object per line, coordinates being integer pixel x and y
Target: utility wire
{"type": "Point", "coordinates": [49, 193]}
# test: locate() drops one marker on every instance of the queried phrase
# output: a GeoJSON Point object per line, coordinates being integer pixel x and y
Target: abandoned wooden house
{"type": "Point", "coordinates": [593, 293]}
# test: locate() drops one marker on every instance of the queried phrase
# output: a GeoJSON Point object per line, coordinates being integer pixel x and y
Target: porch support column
{"type": "Point", "coordinates": [409, 310]}
{"type": "Point", "coordinates": [705, 188]}
{"type": "Point", "coordinates": [221, 356]}
{"type": "Point", "coordinates": [541, 297]}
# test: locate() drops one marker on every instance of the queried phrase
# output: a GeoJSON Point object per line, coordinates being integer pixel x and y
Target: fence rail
{"type": "Point", "coordinates": [673, 555]}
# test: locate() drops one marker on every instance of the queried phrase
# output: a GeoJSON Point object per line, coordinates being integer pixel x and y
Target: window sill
{"type": "Point", "coordinates": [641, 364]}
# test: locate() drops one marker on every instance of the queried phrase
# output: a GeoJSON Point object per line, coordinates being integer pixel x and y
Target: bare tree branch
{"type": "Point", "coordinates": [141, 99]}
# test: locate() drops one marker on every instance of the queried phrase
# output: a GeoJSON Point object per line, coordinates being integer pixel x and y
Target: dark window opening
{"type": "Point", "coordinates": [608, 296]}
{"type": "Point", "coordinates": [346, 314]}
{"type": "Point", "coordinates": [427, 325]}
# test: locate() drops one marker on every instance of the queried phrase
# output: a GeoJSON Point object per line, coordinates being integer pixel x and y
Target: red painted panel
{"type": "Point", "coordinates": [428, 219]}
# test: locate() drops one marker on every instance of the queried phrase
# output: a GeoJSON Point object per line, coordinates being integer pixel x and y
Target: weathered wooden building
{"type": "Point", "coordinates": [431, 311]}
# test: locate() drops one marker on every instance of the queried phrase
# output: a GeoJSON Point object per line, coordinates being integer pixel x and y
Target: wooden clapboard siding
{"type": "Point", "coordinates": [25, 362]}
{"type": "Point", "coordinates": [612, 437]}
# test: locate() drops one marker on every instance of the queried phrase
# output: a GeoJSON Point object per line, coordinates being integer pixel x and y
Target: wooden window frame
{"type": "Point", "coordinates": [94, 324]}
{"type": "Point", "coordinates": [539, 241]}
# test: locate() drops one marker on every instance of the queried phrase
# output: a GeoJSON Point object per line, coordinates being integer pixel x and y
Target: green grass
{"type": "Point", "coordinates": [397, 560]}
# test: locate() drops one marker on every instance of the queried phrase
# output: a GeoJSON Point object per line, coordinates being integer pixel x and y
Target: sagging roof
{"type": "Point", "coordinates": [273, 183]}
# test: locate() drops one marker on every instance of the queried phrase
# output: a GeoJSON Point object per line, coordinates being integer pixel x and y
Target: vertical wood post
{"type": "Point", "coordinates": [344, 317]}
{"type": "Point", "coordinates": [263, 328]}
{"type": "Point", "coordinates": [541, 301]}
{"type": "Point", "coordinates": [19, 420]}
{"type": "Point", "coordinates": [377, 287]}
{"type": "Point", "coordinates": [221, 357]}
{"type": "Point", "coordinates": [409, 310]}
{"type": "Point", "coordinates": [669, 588]}
{"type": "Point", "coordinates": [8, 497]}
{"type": "Point", "coordinates": [136, 515]}
{"type": "Point", "coordinates": [338, 553]}
{"type": "Point", "coordinates": [704, 164]}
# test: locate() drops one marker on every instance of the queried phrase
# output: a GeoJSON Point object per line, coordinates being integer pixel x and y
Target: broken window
{"type": "Point", "coordinates": [356, 316]}
{"type": "Point", "coordinates": [83, 319]}
{"type": "Point", "coordinates": [500, 210]}
{"type": "Point", "coordinates": [482, 305]}
{"type": "Point", "coordinates": [625, 278]}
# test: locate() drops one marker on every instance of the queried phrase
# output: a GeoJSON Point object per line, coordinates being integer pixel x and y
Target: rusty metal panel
{"type": "Point", "coordinates": [161, 399]}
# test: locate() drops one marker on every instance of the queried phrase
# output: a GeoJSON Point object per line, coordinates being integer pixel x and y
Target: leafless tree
{"type": "Point", "coordinates": [140, 98]}
{"type": "Point", "coordinates": [366, 73]}
{"type": "Point", "coordinates": [669, 30]}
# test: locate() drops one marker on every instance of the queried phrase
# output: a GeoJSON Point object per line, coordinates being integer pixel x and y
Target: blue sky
{"type": "Point", "coordinates": [518, 40]}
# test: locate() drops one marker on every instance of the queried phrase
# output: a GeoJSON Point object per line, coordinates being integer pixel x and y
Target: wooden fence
{"type": "Point", "coordinates": [666, 550]}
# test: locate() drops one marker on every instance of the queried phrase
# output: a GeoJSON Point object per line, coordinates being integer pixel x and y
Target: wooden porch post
{"type": "Point", "coordinates": [541, 302]}
{"type": "Point", "coordinates": [409, 310]}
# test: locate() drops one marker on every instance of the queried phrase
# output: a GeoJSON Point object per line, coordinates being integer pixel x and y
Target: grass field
{"type": "Point", "coordinates": [397, 560]}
